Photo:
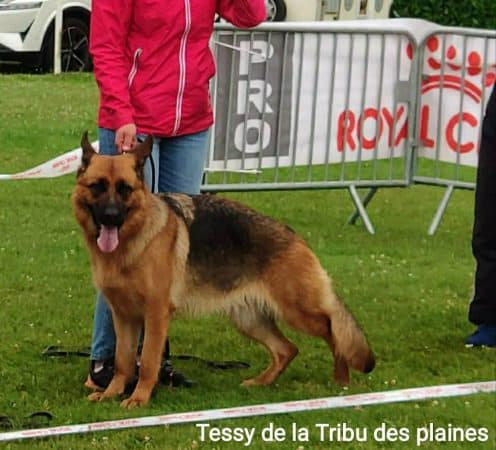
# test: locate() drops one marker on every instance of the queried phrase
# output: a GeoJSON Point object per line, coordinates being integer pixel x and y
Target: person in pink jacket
{"type": "Point", "coordinates": [152, 63]}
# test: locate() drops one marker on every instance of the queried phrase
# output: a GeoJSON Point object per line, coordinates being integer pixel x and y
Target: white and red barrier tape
{"type": "Point", "coordinates": [374, 398]}
{"type": "Point", "coordinates": [69, 163]}
{"type": "Point", "coordinates": [61, 165]}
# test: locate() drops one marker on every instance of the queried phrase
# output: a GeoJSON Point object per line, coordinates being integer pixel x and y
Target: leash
{"type": "Point", "coordinates": [223, 365]}
{"type": "Point", "coordinates": [38, 419]}
{"type": "Point", "coordinates": [61, 351]}
{"type": "Point", "coordinates": [57, 351]}
{"type": "Point", "coordinates": [41, 419]}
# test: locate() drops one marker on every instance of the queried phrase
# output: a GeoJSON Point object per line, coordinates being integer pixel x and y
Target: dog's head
{"type": "Point", "coordinates": [108, 191]}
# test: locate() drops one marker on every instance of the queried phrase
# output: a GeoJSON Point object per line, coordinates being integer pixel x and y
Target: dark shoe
{"type": "Point", "coordinates": [484, 336]}
{"type": "Point", "coordinates": [171, 377]}
{"type": "Point", "coordinates": [101, 373]}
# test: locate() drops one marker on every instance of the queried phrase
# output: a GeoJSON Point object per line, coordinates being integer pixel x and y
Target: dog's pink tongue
{"type": "Point", "coordinates": [108, 239]}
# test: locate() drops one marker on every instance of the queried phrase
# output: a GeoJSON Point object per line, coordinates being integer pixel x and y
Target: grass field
{"type": "Point", "coordinates": [410, 291]}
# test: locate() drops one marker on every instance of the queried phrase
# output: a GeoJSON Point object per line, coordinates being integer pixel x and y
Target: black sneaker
{"type": "Point", "coordinates": [102, 372]}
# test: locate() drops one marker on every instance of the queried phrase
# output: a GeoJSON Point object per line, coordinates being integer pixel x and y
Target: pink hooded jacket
{"type": "Point", "coordinates": [152, 60]}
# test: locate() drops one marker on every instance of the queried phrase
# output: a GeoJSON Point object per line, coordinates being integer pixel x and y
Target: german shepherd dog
{"type": "Point", "coordinates": [153, 256]}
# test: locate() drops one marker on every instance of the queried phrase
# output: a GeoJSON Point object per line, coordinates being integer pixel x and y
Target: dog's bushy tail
{"type": "Point", "coordinates": [348, 342]}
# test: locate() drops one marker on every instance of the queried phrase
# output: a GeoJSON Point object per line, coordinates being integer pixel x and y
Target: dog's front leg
{"type": "Point", "coordinates": [126, 334]}
{"type": "Point", "coordinates": [156, 328]}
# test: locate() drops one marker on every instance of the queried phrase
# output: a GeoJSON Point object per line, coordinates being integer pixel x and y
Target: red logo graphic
{"type": "Point", "coordinates": [461, 69]}
{"type": "Point", "coordinates": [451, 75]}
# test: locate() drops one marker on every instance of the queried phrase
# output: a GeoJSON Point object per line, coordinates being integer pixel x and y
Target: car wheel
{"type": "Point", "coordinates": [276, 10]}
{"type": "Point", "coordinates": [75, 47]}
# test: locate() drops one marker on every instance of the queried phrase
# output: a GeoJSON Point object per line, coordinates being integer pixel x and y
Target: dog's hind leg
{"type": "Point", "coordinates": [338, 329]}
{"type": "Point", "coordinates": [260, 327]}
{"type": "Point", "coordinates": [302, 291]}
{"type": "Point", "coordinates": [318, 324]}
{"type": "Point", "coordinates": [341, 368]}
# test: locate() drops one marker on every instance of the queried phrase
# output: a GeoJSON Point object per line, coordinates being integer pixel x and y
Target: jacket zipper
{"type": "Point", "coordinates": [134, 68]}
{"type": "Point", "coordinates": [182, 66]}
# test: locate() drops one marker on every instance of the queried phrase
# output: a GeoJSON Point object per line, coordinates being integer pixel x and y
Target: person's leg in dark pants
{"type": "Point", "coordinates": [482, 311]}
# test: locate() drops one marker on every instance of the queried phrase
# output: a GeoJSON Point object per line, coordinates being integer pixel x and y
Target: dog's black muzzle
{"type": "Point", "coordinates": [110, 214]}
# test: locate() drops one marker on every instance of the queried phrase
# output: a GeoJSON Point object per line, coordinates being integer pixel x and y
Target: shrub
{"type": "Point", "coordinates": [469, 13]}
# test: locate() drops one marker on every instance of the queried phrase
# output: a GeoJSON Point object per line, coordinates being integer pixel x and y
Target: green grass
{"type": "Point", "coordinates": [410, 291]}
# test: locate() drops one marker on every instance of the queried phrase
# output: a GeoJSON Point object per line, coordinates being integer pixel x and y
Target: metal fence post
{"type": "Point", "coordinates": [57, 46]}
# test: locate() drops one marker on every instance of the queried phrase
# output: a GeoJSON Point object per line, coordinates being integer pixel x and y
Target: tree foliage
{"type": "Point", "coordinates": [463, 13]}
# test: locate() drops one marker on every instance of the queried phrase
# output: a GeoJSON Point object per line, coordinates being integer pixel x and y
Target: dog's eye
{"type": "Point", "coordinates": [98, 187]}
{"type": "Point", "coordinates": [123, 189]}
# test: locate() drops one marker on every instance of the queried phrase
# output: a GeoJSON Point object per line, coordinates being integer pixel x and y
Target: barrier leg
{"type": "Point", "coordinates": [360, 209]}
{"type": "Point", "coordinates": [365, 201]}
{"type": "Point", "coordinates": [440, 210]}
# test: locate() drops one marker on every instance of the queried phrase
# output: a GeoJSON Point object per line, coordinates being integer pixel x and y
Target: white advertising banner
{"type": "Point", "coordinates": [458, 75]}
{"type": "Point", "coordinates": [316, 98]}
{"type": "Point", "coordinates": [338, 95]}
{"type": "Point", "coordinates": [347, 108]}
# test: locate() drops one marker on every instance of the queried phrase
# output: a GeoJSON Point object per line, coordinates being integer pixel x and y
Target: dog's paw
{"type": "Point", "coordinates": [134, 402]}
{"type": "Point", "coordinates": [96, 397]}
{"type": "Point", "coordinates": [250, 382]}
{"type": "Point", "coordinates": [260, 380]}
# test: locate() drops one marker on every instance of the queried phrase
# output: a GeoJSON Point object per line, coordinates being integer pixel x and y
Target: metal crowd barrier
{"type": "Point", "coordinates": [313, 106]}
{"type": "Point", "coordinates": [458, 70]}
{"type": "Point", "coordinates": [352, 104]}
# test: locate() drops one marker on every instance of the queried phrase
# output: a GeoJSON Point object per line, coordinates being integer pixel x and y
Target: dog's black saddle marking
{"type": "Point", "coordinates": [229, 242]}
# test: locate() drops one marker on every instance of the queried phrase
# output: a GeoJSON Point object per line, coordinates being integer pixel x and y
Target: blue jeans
{"type": "Point", "coordinates": [176, 165]}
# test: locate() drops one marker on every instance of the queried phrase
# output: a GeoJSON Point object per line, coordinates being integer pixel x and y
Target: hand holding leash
{"type": "Point", "coordinates": [125, 138]}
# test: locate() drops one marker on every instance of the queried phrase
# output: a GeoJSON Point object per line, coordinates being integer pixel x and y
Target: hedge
{"type": "Point", "coordinates": [464, 13]}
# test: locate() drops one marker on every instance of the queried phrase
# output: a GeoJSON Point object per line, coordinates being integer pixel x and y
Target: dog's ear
{"type": "Point", "coordinates": [88, 153]}
{"type": "Point", "coordinates": [141, 152]}
{"type": "Point", "coordinates": [143, 149]}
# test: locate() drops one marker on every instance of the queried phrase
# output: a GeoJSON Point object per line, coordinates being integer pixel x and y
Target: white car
{"type": "Point", "coordinates": [27, 32]}
{"type": "Point", "coordinates": [276, 10]}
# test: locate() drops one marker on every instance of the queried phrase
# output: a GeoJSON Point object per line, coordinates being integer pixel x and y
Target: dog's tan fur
{"type": "Point", "coordinates": [194, 255]}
